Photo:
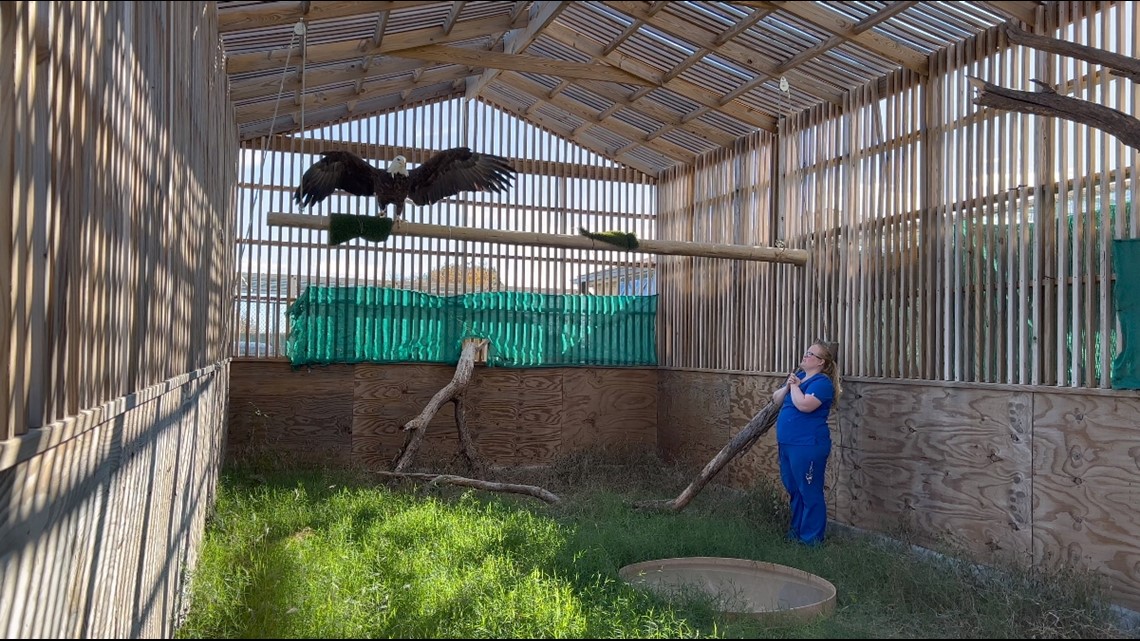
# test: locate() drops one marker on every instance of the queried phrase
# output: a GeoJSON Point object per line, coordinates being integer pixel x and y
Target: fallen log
{"type": "Point", "coordinates": [745, 439]}
{"type": "Point", "coordinates": [489, 486]}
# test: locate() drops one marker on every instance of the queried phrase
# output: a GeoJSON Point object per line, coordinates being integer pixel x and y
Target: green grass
{"type": "Point", "coordinates": [341, 555]}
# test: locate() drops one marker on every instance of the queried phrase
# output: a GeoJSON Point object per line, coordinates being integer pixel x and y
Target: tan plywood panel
{"type": "Point", "coordinates": [613, 408]}
{"type": "Point", "coordinates": [951, 463]}
{"type": "Point", "coordinates": [1086, 481]}
{"type": "Point", "coordinates": [250, 378]}
{"type": "Point", "coordinates": [516, 414]}
{"type": "Point", "coordinates": [845, 470]}
{"type": "Point", "coordinates": [693, 415]}
{"type": "Point", "coordinates": [749, 394]}
{"type": "Point", "coordinates": [305, 413]}
{"type": "Point", "coordinates": [386, 398]}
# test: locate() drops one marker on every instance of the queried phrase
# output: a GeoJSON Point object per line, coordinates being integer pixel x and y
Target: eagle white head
{"type": "Point", "coordinates": [399, 165]}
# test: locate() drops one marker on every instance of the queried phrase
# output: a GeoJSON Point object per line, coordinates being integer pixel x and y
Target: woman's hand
{"type": "Point", "coordinates": [793, 380]}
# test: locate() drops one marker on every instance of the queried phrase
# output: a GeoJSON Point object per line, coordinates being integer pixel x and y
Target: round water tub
{"type": "Point", "coordinates": [759, 589]}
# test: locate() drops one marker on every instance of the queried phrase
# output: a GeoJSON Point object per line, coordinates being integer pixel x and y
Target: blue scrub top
{"type": "Point", "coordinates": [794, 427]}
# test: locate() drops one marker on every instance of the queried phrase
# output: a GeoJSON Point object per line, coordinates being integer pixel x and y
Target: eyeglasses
{"type": "Point", "coordinates": [813, 355]}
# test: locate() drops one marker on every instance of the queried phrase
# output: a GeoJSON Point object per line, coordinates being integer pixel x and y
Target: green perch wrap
{"type": "Point", "coordinates": [345, 227]}
{"type": "Point", "coordinates": [616, 238]}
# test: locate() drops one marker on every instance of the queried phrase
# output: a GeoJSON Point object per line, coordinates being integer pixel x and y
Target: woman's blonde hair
{"type": "Point", "coordinates": [830, 363]}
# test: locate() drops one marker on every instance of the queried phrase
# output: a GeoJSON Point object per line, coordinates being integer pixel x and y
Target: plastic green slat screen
{"type": "Point", "coordinates": [1126, 293]}
{"type": "Point", "coordinates": [383, 325]}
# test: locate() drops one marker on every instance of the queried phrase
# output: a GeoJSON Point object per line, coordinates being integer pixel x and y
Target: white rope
{"type": "Point", "coordinates": [272, 125]}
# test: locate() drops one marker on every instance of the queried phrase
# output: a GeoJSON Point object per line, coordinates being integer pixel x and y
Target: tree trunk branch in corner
{"type": "Point", "coordinates": [466, 443]}
{"type": "Point", "coordinates": [418, 425]}
{"type": "Point", "coordinates": [489, 486]}
{"type": "Point", "coordinates": [1122, 66]}
{"type": "Point", "coordinates": [746, 438]}
{"type": "Point", "coordinates": [1050, 103]}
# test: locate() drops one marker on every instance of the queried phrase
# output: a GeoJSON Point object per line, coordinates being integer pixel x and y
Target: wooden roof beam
{"type": "Point", "coordinates": [276, 14]}
{"type": "Point", "coordinates": [335, 113]}
{"type": "Point", "coordinates": [649, 108]}
{"type": "Point", "coordinates": [520, 62]}
{"type": "Point", "coordinates": [323, 99]}
{"type": "Point", "coordinates": [350, 50]}
{"type": "Point", "coordinates": [541, 14]}
{"type": "Point", "coordinates": [537, 91]}
{"type": "Point", "coordinates": [268, 87]}
{"type": "Point", "coordinates": [690, 90]}
{"type": "Point", "coordinates": [744, 56]}
{"type": "Point", "coordinates": [453, 15]}
{"type": "Point", "coordinates": [840, 25]}
{"type": "Point", "coordinates": [1026, 12]}
{"type": "Point", "coordinates": [560, 128]}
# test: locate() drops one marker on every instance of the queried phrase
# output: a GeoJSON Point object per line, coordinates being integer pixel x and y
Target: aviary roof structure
{"type": "Point", "coordinates": [647, 84]}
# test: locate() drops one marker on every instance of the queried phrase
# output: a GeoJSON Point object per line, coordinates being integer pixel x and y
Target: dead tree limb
{"type": "Point", "coordinates": [1048, 102]}
{"type": "Point", "coordinates": [1122, 66]}
{"type": "Point", "coordinates": [418, 425]}
{"type": "Point", "coordinates": [745, 439]}
{"type": "Point", "coordinates": [466, 443]}
{"type": "Point", "coordinates": [489, 486]}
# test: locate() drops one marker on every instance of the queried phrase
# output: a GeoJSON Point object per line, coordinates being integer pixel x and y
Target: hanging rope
{"type": "Point", "coordinates": [299, 28]}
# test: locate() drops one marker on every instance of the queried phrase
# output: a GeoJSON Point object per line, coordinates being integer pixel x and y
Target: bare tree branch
{"type": "Point", "coordinates": [1122, 66]}
{"type": "Point", "coordinates": [1049, 103]}
{"type": "Point", "coordinates": [746, 438]}
{"type": "Point", "coordinates": [418, 425]}
{"type": "Point", "coordinates": [489, 486]}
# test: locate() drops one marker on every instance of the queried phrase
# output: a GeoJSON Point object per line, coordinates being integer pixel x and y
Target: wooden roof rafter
{"type": "Point", "coordinates": [536, 91]}
{"type": "Point", "coordinates": [649, 82]}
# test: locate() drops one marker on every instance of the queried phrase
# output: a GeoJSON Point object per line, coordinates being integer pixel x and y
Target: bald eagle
{"type": "Point", "coordinates": [445, 174]}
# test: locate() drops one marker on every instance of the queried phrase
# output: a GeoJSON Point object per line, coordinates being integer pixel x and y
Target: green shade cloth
{"type": "Point", "coordinates": [1126, 293]}
{"type": "Point", "coordinates": [385, 325]}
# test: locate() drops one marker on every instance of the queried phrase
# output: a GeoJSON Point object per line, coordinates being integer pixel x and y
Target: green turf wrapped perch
{"type": "Point", "coordinates": [345, 227]}
{"type": "Point", "coordinates": [617, 238]}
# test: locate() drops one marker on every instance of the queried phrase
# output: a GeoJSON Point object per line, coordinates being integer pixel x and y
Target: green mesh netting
{"type": "Point", "coordinates": [1126, 294]}
{"type": "Point", "coordinates": [384, 325]}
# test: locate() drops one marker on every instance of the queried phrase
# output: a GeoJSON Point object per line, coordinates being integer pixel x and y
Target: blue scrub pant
{"type": "Point", "coordinates": [801, 470]}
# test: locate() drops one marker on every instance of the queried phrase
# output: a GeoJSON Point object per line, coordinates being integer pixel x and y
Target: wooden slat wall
{"type": "Point", "coordinates": [117, 173]}
{"type": "Point", "coordinates": [1005, 472]}
{"type": "Point", "coordinates": [560, 188]}
{"type": "Point", "coordinates": [948, 242]}
{"type": "Point", "coordinates": [117, 214]}
{"type": "Point", "coordinates": [711, 313]}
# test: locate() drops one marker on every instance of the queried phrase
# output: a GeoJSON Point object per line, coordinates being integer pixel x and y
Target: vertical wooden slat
{"type": "Point", "coordinates": [11, 395]}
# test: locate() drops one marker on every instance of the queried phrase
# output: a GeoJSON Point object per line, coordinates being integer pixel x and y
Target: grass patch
{"type": "Point", "coordinates": [336, 554]}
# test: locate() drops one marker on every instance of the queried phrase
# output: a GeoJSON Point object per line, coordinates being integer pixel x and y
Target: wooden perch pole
{"type": "Point", "coordinates": [535, 239]}
{"type": "Point", "coordinates": [746, 438]}
{"type": "Point", "coordinates": [418, 425]}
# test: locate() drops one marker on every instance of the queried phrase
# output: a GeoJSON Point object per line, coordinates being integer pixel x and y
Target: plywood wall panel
{"type": "Point", "coordinates": [305, 413]}
{"type": "Point", "coordinates": [950, 463]}
{"type": "Point", "coordinates": [1086, 483]}
{"type": "Point", "coordinates": [385, 398]}
{"type": "Point", "coordinates": [617, 407]}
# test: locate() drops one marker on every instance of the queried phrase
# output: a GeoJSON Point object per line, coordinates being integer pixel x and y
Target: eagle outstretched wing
{"type": "Point", "coordinates": [454, 170]}
{"type": "Point", "coordinates": [336, 170]}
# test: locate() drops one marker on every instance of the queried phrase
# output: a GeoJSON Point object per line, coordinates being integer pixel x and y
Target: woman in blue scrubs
{"type": "Point", "coordinates": [804, 441]}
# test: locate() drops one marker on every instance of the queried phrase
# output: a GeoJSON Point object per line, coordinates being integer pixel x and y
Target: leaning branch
{"type": "Point", "coordinates": [418, 425]}
{"type": "Point", "coordinates": [746, 438]}
{"type": "Point", "coordinates": [1049, 103]}
{"type": "Point", "coordinates": [489, 486]}
{"type": "Point", "coordinates": [1122, 66]}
